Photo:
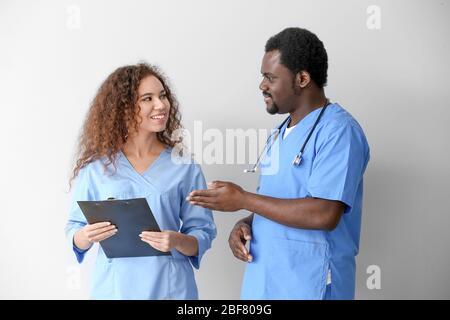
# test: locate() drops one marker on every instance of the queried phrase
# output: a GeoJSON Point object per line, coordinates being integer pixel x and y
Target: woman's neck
{"type": "Point", "coordinates": [142, 144]}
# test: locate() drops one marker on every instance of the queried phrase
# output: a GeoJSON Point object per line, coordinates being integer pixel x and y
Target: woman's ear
{"type": "Point", "coordinates": [302, 79]}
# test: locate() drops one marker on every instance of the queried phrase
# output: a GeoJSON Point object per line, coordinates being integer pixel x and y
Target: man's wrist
{"type": "Point", "coordinates": [248, 201]}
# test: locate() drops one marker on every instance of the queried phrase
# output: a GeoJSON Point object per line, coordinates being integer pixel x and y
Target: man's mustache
{"type": "Point", "coordinates": [266, 94]}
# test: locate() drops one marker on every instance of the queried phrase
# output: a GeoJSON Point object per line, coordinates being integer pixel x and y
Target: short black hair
{"type": "Point", "coordinates": [301, 50]}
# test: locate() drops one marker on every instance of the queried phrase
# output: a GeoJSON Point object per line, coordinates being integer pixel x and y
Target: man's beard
{"type": "Point", "coordinates": [273, 108]}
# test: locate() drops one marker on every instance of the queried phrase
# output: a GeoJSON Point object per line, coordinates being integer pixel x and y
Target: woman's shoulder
{"type": "Point", "coordinates": [182, 159]}
{"type": "Point", "coordinates": [97, 166]}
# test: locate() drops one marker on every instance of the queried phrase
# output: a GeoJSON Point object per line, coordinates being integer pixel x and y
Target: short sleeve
{"type": "Point", "coordinates": [342, 154]}
{"type": "Point", "coordinates": [76, 219]}
{"type": "Point", "coordinates": [197, 221]}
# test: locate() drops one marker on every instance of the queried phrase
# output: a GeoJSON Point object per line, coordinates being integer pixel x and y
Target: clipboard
{"type": "Point", "coordinates": [131, 217]}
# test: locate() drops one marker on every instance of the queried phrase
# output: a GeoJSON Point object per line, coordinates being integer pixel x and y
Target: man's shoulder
{"type": "Point", "coordinates": [340, 122]}
{"type": "Point", "coordinates": [340, 118]}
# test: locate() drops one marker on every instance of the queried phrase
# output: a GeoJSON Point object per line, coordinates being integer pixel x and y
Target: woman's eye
{"type": "Point", "coordinates": [163, 96]}
{"type": "Point", "coordinates": [147, 99]}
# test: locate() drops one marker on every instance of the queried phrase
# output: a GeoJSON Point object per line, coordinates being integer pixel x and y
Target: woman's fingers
{"type": "Point", "coordinates": [94, 226]}
{"type": "Point", "coordinates": [156, 240]}
{"type": "Point", "coordinates": [93, 233]}
{"type": "Point", "coordinates": [153, 235]}
{"type": "Point", "coordinates": [156, 237]}
{"type": "Point", "coordinates": [162, 241]}
{"type": "Point", "coordinates": [156, 245]}
{"type": "Point", "coordinates": [103, 236]}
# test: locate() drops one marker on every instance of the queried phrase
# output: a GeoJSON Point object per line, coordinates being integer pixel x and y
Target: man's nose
{"type": "Point", "coordinates": [263, 85]}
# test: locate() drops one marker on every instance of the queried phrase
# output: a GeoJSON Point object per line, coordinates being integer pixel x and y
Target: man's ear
{"type": "Point", "coordinates": [302, 79]}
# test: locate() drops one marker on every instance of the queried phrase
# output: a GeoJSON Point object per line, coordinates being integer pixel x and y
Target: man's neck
{"type": "Point", "coordinates": [306, 106]}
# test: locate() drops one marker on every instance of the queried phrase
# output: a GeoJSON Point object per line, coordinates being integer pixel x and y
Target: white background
{"type": "Point", "coordinates": [393, 80]}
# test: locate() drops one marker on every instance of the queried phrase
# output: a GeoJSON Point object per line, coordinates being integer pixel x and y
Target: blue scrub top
{"type": "Point", "coordinates": [165, 185]}
{"type": "Point", "coordinates": [293, 263]}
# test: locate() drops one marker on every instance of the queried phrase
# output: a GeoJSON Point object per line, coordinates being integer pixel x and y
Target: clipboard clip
{"type": "Point", "coordinates": [112, 199]}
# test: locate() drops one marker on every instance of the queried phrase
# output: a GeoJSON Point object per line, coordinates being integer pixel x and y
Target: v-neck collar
{"type": "Point", "coordinates": [149, 167]}
{"type": "Point", "coordinates": [307, 120]}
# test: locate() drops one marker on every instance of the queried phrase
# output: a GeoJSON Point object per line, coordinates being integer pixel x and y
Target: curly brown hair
{"type": "Point", "coordinates": [114, 113]}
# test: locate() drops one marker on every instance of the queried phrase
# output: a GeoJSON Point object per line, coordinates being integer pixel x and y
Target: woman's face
{"type": "Point", "coordinates": [155, 106]}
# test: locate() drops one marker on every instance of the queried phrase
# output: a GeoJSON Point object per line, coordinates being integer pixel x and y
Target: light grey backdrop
{"type": "Point", "coordinates": [394, 80]}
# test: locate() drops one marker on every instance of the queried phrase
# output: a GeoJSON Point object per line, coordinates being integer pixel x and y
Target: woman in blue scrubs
{"type": "Point", "coordinates": [125, 151]}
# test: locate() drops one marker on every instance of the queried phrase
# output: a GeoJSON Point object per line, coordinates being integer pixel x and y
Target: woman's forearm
{"type": "Point", "coordinates": [187, 245]}
{"type": "Point", "coordinates": [80, 241]}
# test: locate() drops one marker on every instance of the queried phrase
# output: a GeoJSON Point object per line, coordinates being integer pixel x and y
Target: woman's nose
{"type": "Point", "coordinates": [158, 104]}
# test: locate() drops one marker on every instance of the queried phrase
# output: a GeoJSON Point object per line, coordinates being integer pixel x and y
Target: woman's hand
{"type": "Point", "coordinates": [92, 233]}
{"type": "Point", "coordinates": [167, 240]}
{"type": "Point", "coordinates": [163, 241]}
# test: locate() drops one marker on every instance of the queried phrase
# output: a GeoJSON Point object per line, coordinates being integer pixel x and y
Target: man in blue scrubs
{"type": "Point", "coordinates": [306, 220]}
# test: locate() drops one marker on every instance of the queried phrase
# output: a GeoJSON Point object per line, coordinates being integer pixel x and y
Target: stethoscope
{"type": "Point", "coordinates": [298, 158]}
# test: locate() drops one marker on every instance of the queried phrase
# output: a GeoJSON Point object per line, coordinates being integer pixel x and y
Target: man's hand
{"type": "Point", "coordinates": [220, 195]}
{"type": "Point", "coordinates": [241, 233]}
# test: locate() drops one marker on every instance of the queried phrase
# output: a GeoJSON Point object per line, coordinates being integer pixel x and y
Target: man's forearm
{"type": "Point", "coordinates": [306, 213]}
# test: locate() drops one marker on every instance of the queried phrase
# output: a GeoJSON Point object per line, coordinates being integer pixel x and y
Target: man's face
{"type": "Point", "coordinates": [277, 84]}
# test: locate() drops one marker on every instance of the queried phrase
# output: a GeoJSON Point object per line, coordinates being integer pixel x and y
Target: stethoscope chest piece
{"type": "Point", "coordinates": [297, 159]}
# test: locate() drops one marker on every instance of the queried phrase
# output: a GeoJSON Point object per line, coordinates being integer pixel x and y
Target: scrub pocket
{"type": "Point", "coordinates": [297, 269]}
